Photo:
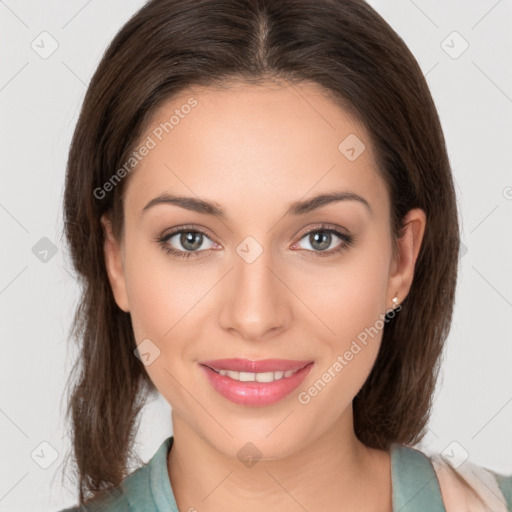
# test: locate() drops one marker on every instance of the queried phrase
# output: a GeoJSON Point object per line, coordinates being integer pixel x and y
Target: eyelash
{"type": "Point", "coordinates": [347, 240]}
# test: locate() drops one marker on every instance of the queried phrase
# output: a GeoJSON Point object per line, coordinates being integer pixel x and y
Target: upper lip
{"type": "Point", "coordinates": [248, 365]}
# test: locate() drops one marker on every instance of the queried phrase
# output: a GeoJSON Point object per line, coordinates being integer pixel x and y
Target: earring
{"type": "Point", "coordinates": [395, 302]}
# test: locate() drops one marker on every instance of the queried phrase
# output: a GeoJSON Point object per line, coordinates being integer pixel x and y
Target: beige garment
{"type": "Point", "coordinates": [462, 487]}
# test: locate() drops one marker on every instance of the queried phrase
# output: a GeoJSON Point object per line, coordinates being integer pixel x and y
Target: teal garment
{"type": "Point", "coordinates": [148, 489]}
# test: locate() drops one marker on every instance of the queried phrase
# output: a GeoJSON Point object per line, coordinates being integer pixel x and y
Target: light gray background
{"type": "Point", "coordinates": [39, 102]}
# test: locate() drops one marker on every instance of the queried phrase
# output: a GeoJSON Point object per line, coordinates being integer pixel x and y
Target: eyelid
{"type": "Point", "coordinates": [325, 226]}
{"type": "Point", "coordinates": [188, 228]}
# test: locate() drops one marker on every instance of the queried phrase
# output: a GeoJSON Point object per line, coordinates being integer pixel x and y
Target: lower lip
{"type": "Point", "coordinates": [255, 393]}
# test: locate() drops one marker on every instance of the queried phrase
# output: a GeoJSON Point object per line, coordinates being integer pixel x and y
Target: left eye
{"type": "Point", "coordinates": [321, 240]}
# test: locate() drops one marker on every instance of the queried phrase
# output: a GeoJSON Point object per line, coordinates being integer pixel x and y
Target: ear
{"type": "Point", "coordinates": [408, 245]}
{"type": "Point", "coordinates": [114, 263]}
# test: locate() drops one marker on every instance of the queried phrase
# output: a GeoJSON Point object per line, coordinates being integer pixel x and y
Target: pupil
{"type": "Point", "coordinates": [188, 238]}
{"type": "Point", "coordinates": [326, 236]}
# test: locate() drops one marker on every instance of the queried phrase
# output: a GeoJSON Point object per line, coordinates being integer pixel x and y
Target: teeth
{"type": "Point", "coordinates": [257, 377]}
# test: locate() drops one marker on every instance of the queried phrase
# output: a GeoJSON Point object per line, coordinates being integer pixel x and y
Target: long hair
{"type": "Point", "coordinates": [347, 49]}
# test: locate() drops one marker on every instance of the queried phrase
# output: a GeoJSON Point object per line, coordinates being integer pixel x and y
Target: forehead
{"type": "Point", "coordinates": [246, 143]}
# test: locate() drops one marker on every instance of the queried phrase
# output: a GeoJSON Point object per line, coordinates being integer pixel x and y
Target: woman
{"type": "Point", "coordinates": [260, 205]}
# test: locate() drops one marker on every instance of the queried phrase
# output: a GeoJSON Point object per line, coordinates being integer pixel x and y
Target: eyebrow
{"type": "Point", "coordinates": [295, 208]}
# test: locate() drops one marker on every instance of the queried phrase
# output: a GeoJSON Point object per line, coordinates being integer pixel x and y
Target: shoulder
{"type": "Point", "coordinates": [147, 488]}
{"type": "Point", "coordinates": [424, 481]}
{"type": "Point", "coordinates": [118, 499]}
{"type": "Point", "coordinates": [472, 488]}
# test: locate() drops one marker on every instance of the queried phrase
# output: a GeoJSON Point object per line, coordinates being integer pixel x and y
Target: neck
{"type": "Point", "coordinates": [333, 469]}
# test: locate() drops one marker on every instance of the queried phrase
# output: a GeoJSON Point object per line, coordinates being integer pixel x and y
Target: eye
{"type": "Point", "coordinates": [322, 240]}
{"type": "Point", "coordinates": [184, 242]}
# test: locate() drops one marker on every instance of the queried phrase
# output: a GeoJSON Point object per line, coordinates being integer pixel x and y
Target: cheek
{"type": "Point", "coordinates": [351, 303]}
{"type": "Point", "coordinates": [351, 295]}
{"type": "Point", "coordinates": [345, 358]}
{"type": "Point", "coordinates": [162, 297]}
{"type": "Point", "coordinates": [159, 291]}
{"type": "Point", "coordinates": [149, 303]}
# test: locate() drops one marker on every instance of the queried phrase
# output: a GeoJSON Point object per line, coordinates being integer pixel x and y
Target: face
{"type": "Point", "coordinates": [254, 275]}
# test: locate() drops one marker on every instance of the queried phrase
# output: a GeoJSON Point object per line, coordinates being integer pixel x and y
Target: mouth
{"type": "Point", "coordinates": [256, 377]}
{"type": "Point", "coordinates": [255, 383]}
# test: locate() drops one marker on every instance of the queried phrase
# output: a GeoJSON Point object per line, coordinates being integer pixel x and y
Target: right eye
{"type": "Point", "coordinates": [190, 240]}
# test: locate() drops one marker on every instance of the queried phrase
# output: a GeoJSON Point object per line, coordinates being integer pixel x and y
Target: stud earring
{"type": "Point", "coordinates": [395, 302]}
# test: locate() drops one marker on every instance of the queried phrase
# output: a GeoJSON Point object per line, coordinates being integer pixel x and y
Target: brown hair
{"type": "Point", "coordinates": [345, 47]}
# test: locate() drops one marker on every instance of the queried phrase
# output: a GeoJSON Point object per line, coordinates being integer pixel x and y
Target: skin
{"type": "Point", "coordinates": [253, 150]}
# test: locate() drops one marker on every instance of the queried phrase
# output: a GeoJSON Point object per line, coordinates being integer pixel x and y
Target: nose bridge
{"type": "Point", "coordinates": [255, 300]}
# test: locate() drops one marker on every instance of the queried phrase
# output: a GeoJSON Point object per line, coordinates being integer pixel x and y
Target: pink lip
{"type": "Point", "coordinates": [255, 393]}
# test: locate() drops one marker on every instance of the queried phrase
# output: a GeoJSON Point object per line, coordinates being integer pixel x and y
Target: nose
{"type": "Point", "coordinates": [255, 301]}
